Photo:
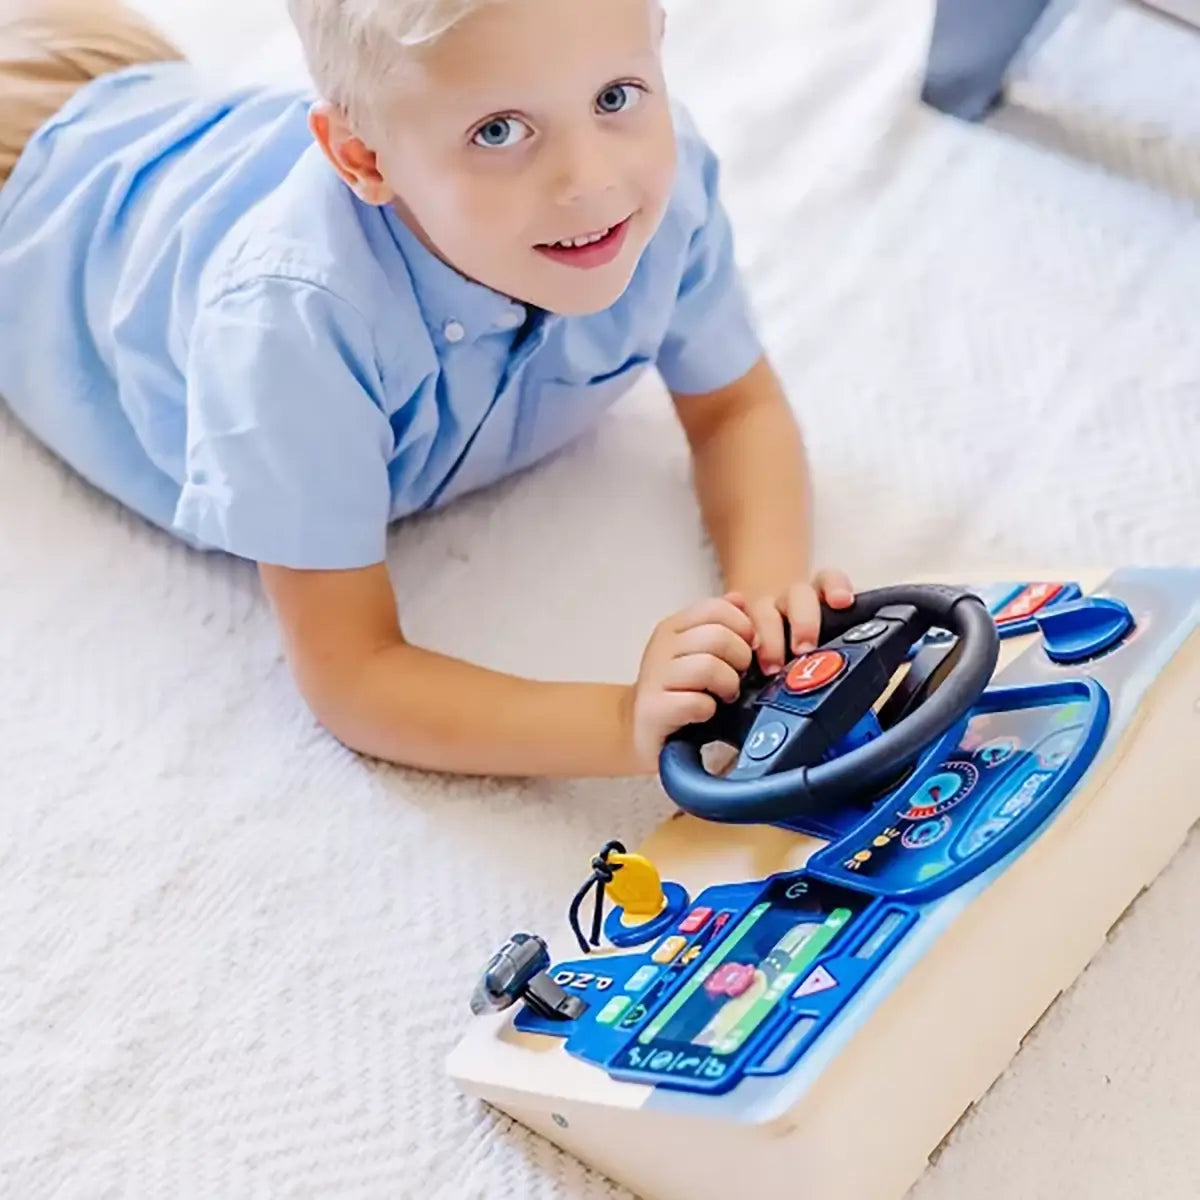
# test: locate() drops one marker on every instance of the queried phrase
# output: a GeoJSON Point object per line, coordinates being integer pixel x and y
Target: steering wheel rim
{"type": "Point", "coordinates": [814, 789]}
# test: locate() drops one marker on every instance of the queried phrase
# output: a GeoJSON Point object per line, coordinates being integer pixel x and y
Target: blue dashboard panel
{"type": "Point", "coordinates": [766, 967]}
{"type": "Point", "coordinates": [758, 982]}
{"type": "Point", "coordinates": [1019, 756]}
{"type": "Point", "coordinates": [753, 972]}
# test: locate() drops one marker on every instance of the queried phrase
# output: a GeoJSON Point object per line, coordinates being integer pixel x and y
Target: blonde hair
{"type": "Point", "coordinates": [350, 45]}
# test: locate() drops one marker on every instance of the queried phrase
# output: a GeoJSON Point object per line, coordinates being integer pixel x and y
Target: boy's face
{"type": "Point", "coordinates": [531, 124]}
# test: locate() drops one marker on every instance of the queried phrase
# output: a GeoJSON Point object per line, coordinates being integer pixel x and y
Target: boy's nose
{"type": "Point", "coordinates": [583, 168]}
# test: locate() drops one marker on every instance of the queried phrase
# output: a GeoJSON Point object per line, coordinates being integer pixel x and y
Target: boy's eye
{"type": "Point", "coordinates": [500, 132]}
{"type": "Point", "coordinates": [618, 97]}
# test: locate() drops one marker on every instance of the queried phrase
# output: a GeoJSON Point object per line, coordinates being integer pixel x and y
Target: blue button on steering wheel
{"type": "Point", "coordinates": [790, 731]}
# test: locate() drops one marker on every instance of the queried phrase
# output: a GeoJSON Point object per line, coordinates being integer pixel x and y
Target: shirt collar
{"type": "Point", "coordinates": [456, 309]}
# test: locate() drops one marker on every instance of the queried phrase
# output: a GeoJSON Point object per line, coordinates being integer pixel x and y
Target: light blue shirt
{"type": "Point", "coordinates": [206, 323]}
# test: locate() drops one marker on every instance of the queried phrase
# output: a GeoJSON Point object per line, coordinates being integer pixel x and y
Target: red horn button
{"type": "Point", "coordinates": [811, 672]}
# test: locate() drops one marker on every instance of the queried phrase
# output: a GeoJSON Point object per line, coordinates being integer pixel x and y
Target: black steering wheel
{"type": "Point", "coordinates": [787, 728]}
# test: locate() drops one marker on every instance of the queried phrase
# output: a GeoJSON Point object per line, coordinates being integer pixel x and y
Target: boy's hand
{"type": "Point", "coordinates": [801, 605]}
{"type": "Point", "coordinates": [691, 660]}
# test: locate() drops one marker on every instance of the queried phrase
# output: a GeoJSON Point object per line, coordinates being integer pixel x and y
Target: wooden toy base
{"type": "Point", "coordinates": [865, 1130]}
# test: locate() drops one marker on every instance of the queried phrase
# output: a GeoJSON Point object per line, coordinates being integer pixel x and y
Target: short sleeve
{"type": "Point", "coordinates": [288, 443]}
{"type": "Point", "coordinates": [711, 340]}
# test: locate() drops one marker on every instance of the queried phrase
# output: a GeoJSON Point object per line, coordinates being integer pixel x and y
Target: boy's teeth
{"type": "Point", "coordinates": [575, 243]}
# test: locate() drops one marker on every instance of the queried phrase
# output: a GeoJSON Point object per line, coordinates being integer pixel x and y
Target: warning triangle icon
{"type": "Point", "coordinates": [819, 981]}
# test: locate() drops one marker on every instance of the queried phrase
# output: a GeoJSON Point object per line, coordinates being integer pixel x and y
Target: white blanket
{"type": "Point", "coordinates": [233, 955]}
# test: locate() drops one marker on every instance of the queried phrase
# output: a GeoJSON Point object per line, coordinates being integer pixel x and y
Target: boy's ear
{"type": "Point", "coordinates": [351, 157]}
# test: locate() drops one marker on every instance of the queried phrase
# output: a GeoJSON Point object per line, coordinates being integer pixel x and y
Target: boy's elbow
{"type": "Point", "coordinates": [339, 720]}
{"type": "Point", "coordinates": [370, 706]}
{"type": "Point", "coordinates": [337, 694]}
{"type": "Point", "coordinates": [347, 655]}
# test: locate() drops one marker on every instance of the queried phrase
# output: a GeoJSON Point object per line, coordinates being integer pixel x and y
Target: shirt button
{"type": "Point", "coordinates": [454, 331]}
{"type": "Point", "coordinates": [510, 320]}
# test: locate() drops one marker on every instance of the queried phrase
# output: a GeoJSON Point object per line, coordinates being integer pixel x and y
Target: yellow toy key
{"type": "Point", "coordinates": [641, 901]}
{"type": "Point", "coordinates": [636, 887]}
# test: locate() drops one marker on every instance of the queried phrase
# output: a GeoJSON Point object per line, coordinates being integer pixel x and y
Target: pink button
{"type": "Point", "coordinates": [695, 920]}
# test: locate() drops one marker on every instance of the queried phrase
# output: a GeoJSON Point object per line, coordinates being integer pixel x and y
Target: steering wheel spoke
{"type": "Point", "coordinates": [779, 740]}
{"type": "Point", "coordinates": [905, 627]}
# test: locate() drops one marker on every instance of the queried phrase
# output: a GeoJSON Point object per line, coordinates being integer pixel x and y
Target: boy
{"type": "Point", "coordinates": [272, 328]}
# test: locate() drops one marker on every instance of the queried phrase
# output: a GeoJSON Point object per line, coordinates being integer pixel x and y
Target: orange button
{"type": "Point", "coordinates": [814, 671]}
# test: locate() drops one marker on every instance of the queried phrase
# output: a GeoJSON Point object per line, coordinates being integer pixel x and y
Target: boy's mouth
{"type": "Point", "coordinates": [595, 249]}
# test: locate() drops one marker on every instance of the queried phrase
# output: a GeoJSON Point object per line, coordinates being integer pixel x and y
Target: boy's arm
{"type": "Point", "coordinates": [384, 697]}
{"type": "Point", "coordinates": [751, 475]}
{"type": "Point", "coordinates": [752, 481]}
{"type": "Point", "coordinates": [749, 463]}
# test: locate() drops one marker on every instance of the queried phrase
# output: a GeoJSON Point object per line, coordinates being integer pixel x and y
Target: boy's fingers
{"type": "Point", "coordinates": [804, 617]}
{"type": "Point", "coordinates": [703, 673]}
{"type": "Point", "coordinates": [718, 640]}
{"type": "Point", "coordinates": [835, 586]}
{"type": "Point", "coordinates": [688, 708]}
{"type": "Point", "coordinates": [768, 625]}
{"type": "Point", "coordinates": [719, 611]}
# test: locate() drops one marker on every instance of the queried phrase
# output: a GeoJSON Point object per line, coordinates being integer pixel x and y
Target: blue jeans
{"type": "Point", "coordinates": [972, 45]}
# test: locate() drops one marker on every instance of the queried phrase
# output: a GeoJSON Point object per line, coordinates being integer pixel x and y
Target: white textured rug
{"type": "Point", "coordinates": [233, 956]}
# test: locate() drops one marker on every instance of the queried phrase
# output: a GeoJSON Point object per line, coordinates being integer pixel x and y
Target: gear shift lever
{"type": "Point", "coordinates": [519, 971]}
